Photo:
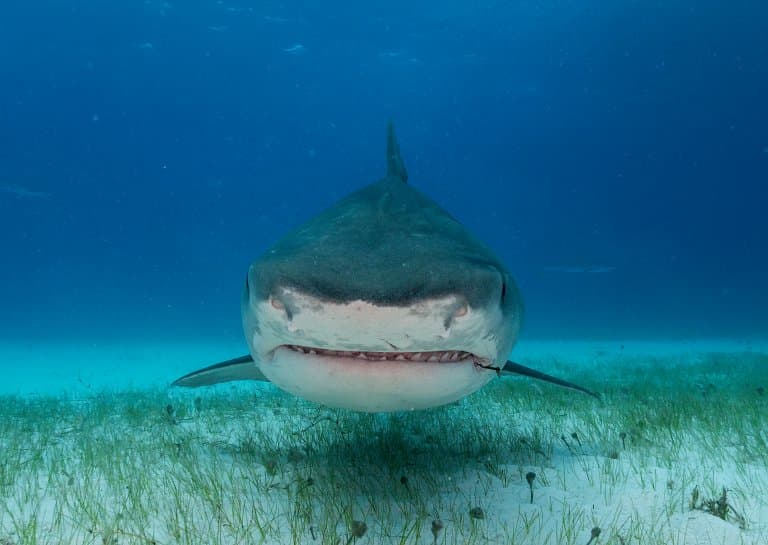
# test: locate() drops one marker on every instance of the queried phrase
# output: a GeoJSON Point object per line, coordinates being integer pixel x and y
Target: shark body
{"type": "Point", "coordinates": [383, 302]}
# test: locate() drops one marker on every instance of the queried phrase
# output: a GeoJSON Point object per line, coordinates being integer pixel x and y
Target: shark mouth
{"type": "Point", "coordinates": [436, 356]}
{"type": "Point", "coordinates": [375, 380]}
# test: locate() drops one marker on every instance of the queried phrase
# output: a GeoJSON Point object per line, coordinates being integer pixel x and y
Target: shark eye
{"type": "Point", "coordinates": [503, 291]}
{"type": "Point", "coordinates": [247, 287]}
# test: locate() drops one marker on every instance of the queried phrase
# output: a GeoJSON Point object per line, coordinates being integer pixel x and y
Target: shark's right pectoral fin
{"type": "Point", "coordinates": [242, 368]}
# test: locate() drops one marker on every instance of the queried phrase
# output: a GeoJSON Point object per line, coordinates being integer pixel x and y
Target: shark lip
{"type": "Point", "coordinates": [427, 356]}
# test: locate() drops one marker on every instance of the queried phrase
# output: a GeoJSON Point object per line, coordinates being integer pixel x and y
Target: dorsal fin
{"type": "Point", "coordinates": [395, 165]}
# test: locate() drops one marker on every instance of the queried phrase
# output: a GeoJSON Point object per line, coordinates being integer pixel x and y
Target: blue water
{"type": "Point", "coordinates": [615, 154]}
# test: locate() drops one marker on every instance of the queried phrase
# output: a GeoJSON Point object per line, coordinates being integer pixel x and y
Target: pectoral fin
{"type": "Point", "coordinates": [512, 368]}
{"type": "Point", "coordinates": [242, 368]}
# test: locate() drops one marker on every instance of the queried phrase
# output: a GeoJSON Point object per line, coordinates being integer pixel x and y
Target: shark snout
{"type": "Point", "coordinates": [291, 305]}
{"type": "Point", "coordinates": [289, 317]}
{"type": "Point", "coordinates": [287, 302]}
{"type": "Point", "coordinates": [370, 356]}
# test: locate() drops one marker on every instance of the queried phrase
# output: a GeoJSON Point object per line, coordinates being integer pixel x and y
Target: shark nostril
{"type": "Point", "coordinates": [461, 311]}
{"type": "Point", "coordinates": [279, 304]}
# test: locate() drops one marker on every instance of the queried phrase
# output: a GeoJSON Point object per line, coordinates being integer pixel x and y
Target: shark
{"type": "Point", "coordinates": [384, 302]}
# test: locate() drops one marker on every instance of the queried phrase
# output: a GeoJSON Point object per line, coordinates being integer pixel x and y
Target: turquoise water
{"type": "Point", "coordinates": [81, 370]}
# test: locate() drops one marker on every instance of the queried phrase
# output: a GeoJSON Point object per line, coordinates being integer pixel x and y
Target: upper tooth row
{"type": "Point", "coordinates": [383, 356]}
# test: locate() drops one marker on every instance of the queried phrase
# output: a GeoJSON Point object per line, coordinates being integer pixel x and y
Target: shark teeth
{"type": "Point", "coordinates": [437, 356]}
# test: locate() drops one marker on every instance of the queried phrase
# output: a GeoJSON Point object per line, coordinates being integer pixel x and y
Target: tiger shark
{"type": "Point", "coordinates": [383, 302]}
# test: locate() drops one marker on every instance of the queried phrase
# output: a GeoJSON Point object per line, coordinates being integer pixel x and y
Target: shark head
{"type": "Point", "coordinates": [383, 302]}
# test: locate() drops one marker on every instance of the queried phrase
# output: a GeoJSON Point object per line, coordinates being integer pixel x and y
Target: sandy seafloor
{"type": "Point", "coordinates": [77, 370]}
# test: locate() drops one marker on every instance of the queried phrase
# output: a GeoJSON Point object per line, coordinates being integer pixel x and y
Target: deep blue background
{"type": "Point", "coordinates": [179, 140]}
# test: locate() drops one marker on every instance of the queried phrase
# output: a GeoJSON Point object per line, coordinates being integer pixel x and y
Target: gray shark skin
{"type": "Point", "coordinates": [383, 302]}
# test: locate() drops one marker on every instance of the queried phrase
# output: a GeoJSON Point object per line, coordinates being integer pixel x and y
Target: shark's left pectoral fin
{"type": "Point", "coordinates": [512, 368]}
{"type": "Point", "coordinates": [242, 368]}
